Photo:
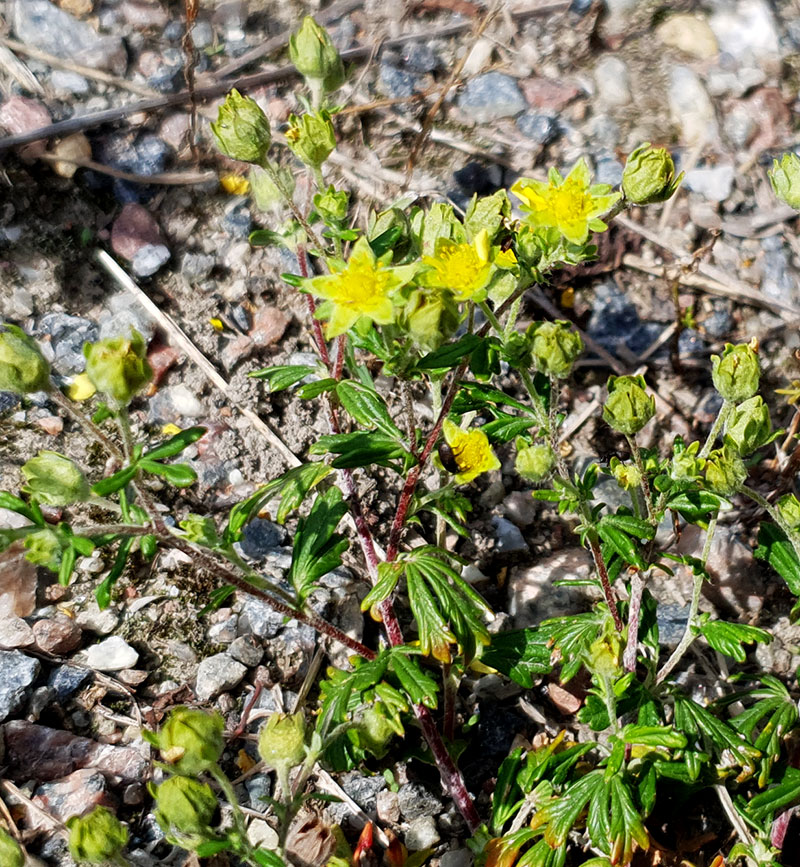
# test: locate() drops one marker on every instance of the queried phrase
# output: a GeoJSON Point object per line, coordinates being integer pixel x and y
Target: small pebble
{"type": "Point", "coordinates": [112, 654]}
{"type": "Point", "coordinates": [490, 97]}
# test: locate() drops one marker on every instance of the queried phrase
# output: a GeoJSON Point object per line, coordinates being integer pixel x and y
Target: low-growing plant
{"type": "Point", "coordinates": [431, 299]}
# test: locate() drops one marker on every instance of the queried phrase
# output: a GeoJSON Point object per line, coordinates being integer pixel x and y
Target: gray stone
{"type": "Point", "coordinates": [541, 128]}
{"type": "Point", "coordinates": [119, 324]}
{"type": "Point", "coordinates": [422, 833]}
{"type": "Point", "coordinates": [395, 83]}
{"type": "Point", "coordinates": [714, 184]}
{"type": "Point", "coordinates": [420, 57]}
{"type": "Point", "coordinates": [457, 857]}
{"type": "Point", "coordinates": [608, 171]}
{"type": "Point", "coordinates": [112, 654]}
{"type": "Point", "coordinates": [261, 537]}
{"type": "Point", "coordinates": [195, 267]}
{"type": "Point", "coordinates": [149, 259]}
{"type": "Point", "coordinates": [532, 596]}
{"type": "Point", "coordinates": [41, 24]}
{"type": "Point", "coordinates": [202, 34]}
{"type": "Point", "coordinates": [691, 107]}
{"type": "Point", "coordinates": [416, 801]}
{"type": "Point", "coordinates": [14, 632]}
{"type": "Point", "coordinates": [490, 97]}
{"type": "Point", "coordinates": [69, 82]}
{"type": "Point", "coordinates": [363, 789]}
{"type": "Point", "coordinates": [672, 621]}
{"type": "Point", "coordinates": [17, 674]}
{"type": "Point", "coordinates": [508, 536]}
{"type": "Point", "coordinates": [247, 650]}
{"type": "Point", "coordinates": [613, 81]}
{"type": "Point", "coordinates": [259, 618]}
{"type": "Point", "coordinates": [66, 680]}
{"type": "Point", "coordinates": [67, 336]}
{"type": "Point", "coordinates": [258, 787]}
{"type": "Point", "coordinates": [217, 674]}
{"type": "Point", "coordinates": [99, 620]}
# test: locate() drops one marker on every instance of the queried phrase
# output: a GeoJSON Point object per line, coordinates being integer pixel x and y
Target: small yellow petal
{"type": "Point", "coordinates": [81, 388]}
{"type": "Point", "coordinates": [236, 185]}
{"type": "Point", "coordinates": [169, 430]}
{"type": "Point", "coordinates": [216, 324]}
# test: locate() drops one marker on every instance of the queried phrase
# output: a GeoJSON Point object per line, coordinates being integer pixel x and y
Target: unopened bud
{"type": "Point", "coordinates": [649, 176]}
{"type": "Point", "coordinates": [628, 407]}
{"type": "Point", "coordinates": [736, 372]}
{"type": "Point", "coordinates": [627, 475]}
{"type": "Point", "coordinates": [749, 427]}
{"type": "Point", "coordinates": [535, 462]}
{"type": "Point", "coordinates": [725, 471]}
{"type": "Point", "coordinates": [242, 129]}
{"type": "Point", "coordinates": [555, 346]}
{"type": "Point", "coordinates": [282, 740]}
{"type": "Point", "coordinates": [316, 58]}
{"type": "Point", "coordinates": [311, 137]}
{"type": "Point", "coordinates": [332, 204]}
{"type": "Point", "coordinates": [117, 366]}
{"type": "Point", "coordinates": [191, 740]}
{"type": "Point", "coordinates": [97, 837]}
{"type": "Point", "coordinates": [185, 809]}
{"type": "Point", "coordinates": [785, 179]}
{"type": "Point", "coordinates": [43, 548]}
{"type": "Point", "coordinates": [23, 368]}
{"type": "Point", "coordinates": [55, 480]}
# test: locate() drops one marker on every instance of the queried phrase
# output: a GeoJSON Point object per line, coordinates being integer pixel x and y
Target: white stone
{"type": "Point", "coordinates": [14, 632]}
{"type": "Point", "coordinates": [112, 654]}
{"type": "Point", "coordinates": [259, 833]}
{"type": "Point", "coordinates": [422, 833]}
{"type": "Point", "coordinates": [714, 184]}
{"type": "Point", "coordinates": [691, 107]}
{"type": "Point", "coordinates": [747, 30]}
{"type": "Point", "coordinates": [613, 81]}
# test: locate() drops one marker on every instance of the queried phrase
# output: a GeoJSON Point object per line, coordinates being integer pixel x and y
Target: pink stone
{"type": "Point", "coordinates": [20, 114]}
{"type": "Point", "coordinates": [17, 583]}
{"type": "Point", "coordinates": [161, 360]}
{"type": "Point", "coordinates": [546, 94]}
{"type": "Point", "coordinates": [143, 14]}
{"type": "Point", "coordinates": [134, 228]}
{"type": "Point", "coordinates": [41, 753]}
{"type": "Point", "coordinates": [51, 424]}
{"type": "Point", "coordinates": [269, 323]}
{"type": "Point", "coordinates": [75, 795]}
{"type": "Point", "coordinates": [59, 635]}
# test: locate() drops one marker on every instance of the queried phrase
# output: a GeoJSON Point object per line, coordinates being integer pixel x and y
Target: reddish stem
{"type": "Point", "coordinates": [608, 592]}
{"type": "Point", "coordinates": [316, 325]}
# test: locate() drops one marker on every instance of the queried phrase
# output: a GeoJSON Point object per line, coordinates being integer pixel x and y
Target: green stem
{"type": "Point", "coordinates": [645, 484]}
{"type": "Point", "coordinates": [489, 313]}
{"type": "Point", "coordinates": [85, 423]}
{"type": "Point", "coordinates": [124, 422]}
{"type": "Point", "coordinates": [296, 212]}
{"type": "Point", "coordinates": [722, 416]}
{"type": "Point", "coordinates": [511, 321]}
{"type": "Point", "coordinates": [689, 634]}
{"type": "Point", "coordinates": [238, 817]}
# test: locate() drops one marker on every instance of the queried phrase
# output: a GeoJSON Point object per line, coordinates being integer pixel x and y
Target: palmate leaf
{"type": "Point", "coordinates": [729, 638]}
{"type": "Point", "coordinates": [785, 794]}
{"type": "Point", "coordinates": [560, 815]}
{"type": "Point", "coordinates": [520, 655]}
{"type": "Point", "coordinates": [367, 407]}
{"type": "Point", "coordinates": [317, 548]}
{"type": "Point", "coordinates": [447, 610]}
{"type": "Point", "coordinates": [715, 737]}
{"type": "Point", "coordinates": [572, 636]}
{"type": "Point", "coordinates": [360, 449]}
{"type": "Point", "coordinates": [777, 550]}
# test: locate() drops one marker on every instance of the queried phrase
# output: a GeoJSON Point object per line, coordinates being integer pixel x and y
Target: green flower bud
{"type": "Point", "coordinates": [191, 740]}
{"type": "Point", "coordinates": [55, 480]}
{"type": "Point", "coordinates": [374, 731]}
{"type": "Point", "coordinates": [242, 129]}
{"type": "Point", "coordinates": [789, 508]}
{"type": "Point", "coordinates": [516, 350]}
{"type": "Point", "coordinates": [10, 853]}
{"type": "Point", "coordinates": [117, 366]}
{"type": "Point", "coordinates": [282, 740]}
{"type": "Point", "coordinates": [185, 810]}
{"type": "Point", "coordinates": [627, 475]}
{"type": "Point", "coordinates": [749, 427]}
{"type": "Point", "coordinates": [23, 368]}
{"type": "Point", "coordinates": [431, 317]}
{"type": "Point", "coordinates": [725, 471]}
{"type": "Point", "coordinates": [785, 179]}
{"type": "Point", "coordinates": [736, 372]}
{"type": "Point", "coordinates": [332, 205]}
{"type": "Point", "coordinates": [649, 176]}
{"type": "Point", "coordinates": [686, 465]}
{"type": "Point", "coordinates": [315, 57]}
{"type": "Point", "coordinates": [535, 462]}
{"type": "Point", "coordinates": [43, 548]}
{"type": "Point", "coordinates": [266, 194]}
{"type": "Point", "coordinates": [628, 407]}
{"type": "Point", "coordinates": [555, 347]}
{"type": "Point", "coordinates": [311, 137]}
{"type": "Point", "coordinates": [97, 837]}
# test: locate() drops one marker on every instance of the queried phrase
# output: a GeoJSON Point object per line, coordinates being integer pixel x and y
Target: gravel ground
{"type": "Point", "coordinates": [544, 85]}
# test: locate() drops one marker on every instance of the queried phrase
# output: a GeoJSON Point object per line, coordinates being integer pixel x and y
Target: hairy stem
{"type": "Point", "coordinates": [791, 534]}
{"type": "Point", "coordinates": [688, 636]}
{"type": "Point", "coordinates": [89, 427]}
{"type": "Point", "coordinates": [722, 416]}
{"type": "Point", "coordinates": [602, 574]}
{"type": "Point", "coordinates": [645, 484]}
{"type": "Point", "coordinates": [634, 611]}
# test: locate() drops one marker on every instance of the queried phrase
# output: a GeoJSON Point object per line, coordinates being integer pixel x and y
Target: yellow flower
{"type": "Point", "coordinates": [464, 269]}
{"type": "Point", "coordinates": [506, 259]}
{"type": "Point", "coordinates": [572, 204]}
{"type": "Point", "coordinates": [364, 287]}
{"type": "Point", "coordinates": [236, 185]}
{"type": "Point", "coordinates": [471, 451]}
{"type": "Point", "coordinates": [81, 388]}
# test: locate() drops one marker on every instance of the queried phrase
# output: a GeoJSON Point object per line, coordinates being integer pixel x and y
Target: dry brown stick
{"type": "Point", "coordinates": [427, 123]}
{"type": "Point", "coordinates": [85, 71]}
{"type": "Point", "coordinates": [164, 178]}
{"type": "Point", "coordinates": [90, 121]}
{"type": "Point", "coordinates": [19, 71]}
{"type": "Point", "coordinates": [185, 344]}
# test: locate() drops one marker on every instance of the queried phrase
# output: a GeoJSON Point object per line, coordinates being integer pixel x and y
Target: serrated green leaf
{"type": "Point", "coordinates": [282, 376]}
{"type": "Point", "coordinates": [728, 638]}
{"type": "Point", "coordinates": [388, 576]}
{"type": "Point", "coordinates": [360, 449]}
{"type": "Point", "coordinates": [420, 687]}
{"type": "Point", "coordinates": [367, 407]}
{"type": "Point", "coordinates": [520, 655]}
{"type": "Point", "coordinates": [777, 550]}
